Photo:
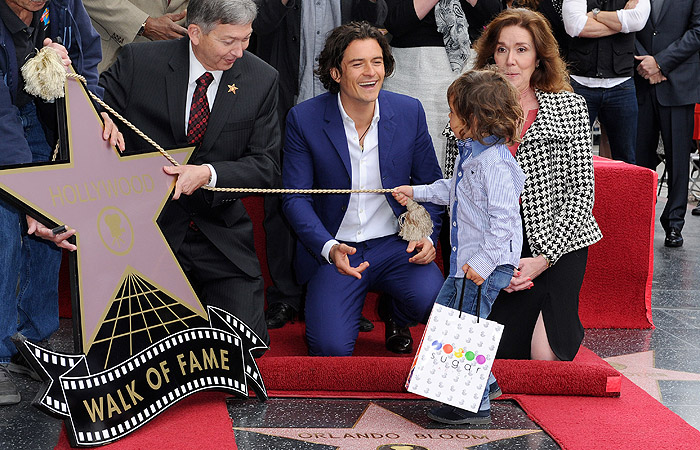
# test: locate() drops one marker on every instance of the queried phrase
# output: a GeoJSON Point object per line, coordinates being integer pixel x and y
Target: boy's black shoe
{"type": "Point", "coordinates": [494, 391]}
{"type": "Point", "coordinates": [9, 395]}
{"type": "Point", "coordinates": [455, 416]}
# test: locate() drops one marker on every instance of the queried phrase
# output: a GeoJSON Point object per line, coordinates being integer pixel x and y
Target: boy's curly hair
{"type": "Point", "coordinates": [488, 103]}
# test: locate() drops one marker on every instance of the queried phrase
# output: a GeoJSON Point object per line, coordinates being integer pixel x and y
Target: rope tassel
{"type": "Point", "coordinates": [45, 77]}
{"type": "Point", "coordinates": [415, 223]}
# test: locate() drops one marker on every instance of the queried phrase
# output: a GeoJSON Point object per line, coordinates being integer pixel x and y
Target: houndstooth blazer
{"type": "Point", "coordinates": [556, 156]}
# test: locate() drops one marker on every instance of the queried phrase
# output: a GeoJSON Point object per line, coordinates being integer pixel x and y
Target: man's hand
{"type": "Point", "coordinates": [339, 255]}
{"type": "Point", "coordinates": [61, 50]}
{"type": "Point", "coordinates": [402, 194]}
{"type": "Point", "coordinates": [631, 4]}
{"type": "Point", "coordinates": [647, 66]}
{"type": "Point", "coordinates": [426, 251]}
{"type": "Point", "coordinates": [61, 240]}
{"type": "Point", "coordinates": [471, 274]}
{"type": "Point", "coordinates": [189, 178]}
{"type": "Point", "coordinates": [658, 78]}
{"type": "Point", "coordinates": [164, 27]}
{"type": "Point", "coordinates": [111, 133]}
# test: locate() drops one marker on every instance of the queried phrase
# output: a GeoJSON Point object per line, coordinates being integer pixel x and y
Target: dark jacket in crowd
{"type": "Point", "coordinates": [70, 22]}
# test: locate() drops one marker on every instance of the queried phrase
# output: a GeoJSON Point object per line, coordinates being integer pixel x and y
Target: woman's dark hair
{"type": "Point", "coordinates": [332, 54]}
{"type": "Point", "coordinates": [551, 74]}
{"type": "Point", "coordinates": [488, 103]}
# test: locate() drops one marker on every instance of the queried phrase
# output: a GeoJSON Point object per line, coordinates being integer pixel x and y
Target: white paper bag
{"type": "Point", "coordinates": [454, 358]}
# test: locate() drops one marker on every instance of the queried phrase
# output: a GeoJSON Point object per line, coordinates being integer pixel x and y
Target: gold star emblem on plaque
{"type": "Point", "coordinates": [232, 88]}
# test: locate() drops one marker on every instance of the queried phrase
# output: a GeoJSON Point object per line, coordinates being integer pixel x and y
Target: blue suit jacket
{"type": "Point", "coordinates": [316, 156]}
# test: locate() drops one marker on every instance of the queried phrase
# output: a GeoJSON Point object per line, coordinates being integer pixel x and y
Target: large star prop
{"type": "Point", "coordinates": [642, 371]}
{"type": "Point", "coordinates": [113, 203]}
{"type": "Point", "coordinates": [378, 427]}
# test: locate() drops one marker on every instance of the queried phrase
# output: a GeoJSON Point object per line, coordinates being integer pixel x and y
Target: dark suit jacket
{"type": "Point", "coordinates": [148, 85]}
{"type": "Point", "coordinates": [316, 156]}
{"type": "Point", "coordinates": [674, 42]}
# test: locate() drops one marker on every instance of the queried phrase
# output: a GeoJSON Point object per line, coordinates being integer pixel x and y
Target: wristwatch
{"type": "Point", "coordinates": [595, 12]}
{"type": "Point", "coordinates": [143, 28]}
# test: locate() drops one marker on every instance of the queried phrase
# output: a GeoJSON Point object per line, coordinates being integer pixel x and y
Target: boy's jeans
{"type": "Point", "coordinates": [449, 296]}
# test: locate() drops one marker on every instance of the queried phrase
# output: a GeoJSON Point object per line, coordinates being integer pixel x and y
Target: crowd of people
{"type": "Point", "coordinates": [356, 94]}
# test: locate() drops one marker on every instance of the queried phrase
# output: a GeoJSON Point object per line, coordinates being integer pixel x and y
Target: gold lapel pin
{"type": "Point", "coordinates": [232, 88]}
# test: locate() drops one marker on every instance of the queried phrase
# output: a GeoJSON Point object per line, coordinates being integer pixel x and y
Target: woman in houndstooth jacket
{"type": "Point", "coordinates": [540, 307]}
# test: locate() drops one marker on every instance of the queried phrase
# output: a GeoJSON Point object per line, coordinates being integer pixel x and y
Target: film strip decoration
{"type": "Point", "coordinates": [104, 406]}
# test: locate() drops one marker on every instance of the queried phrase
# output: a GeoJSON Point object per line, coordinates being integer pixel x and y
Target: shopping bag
{"type": "Point", "coordinates": [455, 356]}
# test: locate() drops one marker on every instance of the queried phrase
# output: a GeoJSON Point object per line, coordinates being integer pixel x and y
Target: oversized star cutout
{"type": "Point", "coordinates": [378, 427]}
{"type": "Point", "coordinates": [113, 203]}
{"type": "Point", "coordinates": [642, 371]}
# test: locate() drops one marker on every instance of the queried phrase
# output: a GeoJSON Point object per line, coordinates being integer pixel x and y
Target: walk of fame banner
{"type": "Point", "coordinates": [145, 339]}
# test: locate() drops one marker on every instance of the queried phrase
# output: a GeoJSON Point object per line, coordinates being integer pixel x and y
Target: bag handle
{"type": "Point", "coordinates": [478, 300]}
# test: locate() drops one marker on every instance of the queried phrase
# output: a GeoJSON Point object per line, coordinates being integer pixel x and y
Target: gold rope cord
{"type": "Point", "coordinates": [222, 189]}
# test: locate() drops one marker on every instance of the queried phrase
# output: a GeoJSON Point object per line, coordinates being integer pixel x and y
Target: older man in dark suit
{"type": "Point", "coordinates": [668, 86]}
{"type": "Point", "coordinates": [206, 90]}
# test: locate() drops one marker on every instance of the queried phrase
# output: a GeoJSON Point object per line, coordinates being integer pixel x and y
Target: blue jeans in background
{"type": "Point", "coordinates": [616, 109]}
{"type": "Point", "coordinates": [492, 285]}
{"type": "Point", "coordinates": [29, 265]}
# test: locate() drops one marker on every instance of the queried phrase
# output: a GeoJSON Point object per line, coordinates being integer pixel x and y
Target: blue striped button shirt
{"type": "Point", "coordinates": [483, 193]}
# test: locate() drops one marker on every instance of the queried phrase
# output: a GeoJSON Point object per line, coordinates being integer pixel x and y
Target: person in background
{"type": "Point", "coordinates": [485, 226]}
{"type": "Point", "coordinates": [28, 131]}
{"type": "Point", "coordinates": [668, 86]}
{"type": "Point", "coordinates": [290, 35]}
{"type": "Point", "coordinates": [601, 56]}
{"type": "Point", "coordinates": [121, 22]}
{"type": "Point", "coordinates": [539, 308]}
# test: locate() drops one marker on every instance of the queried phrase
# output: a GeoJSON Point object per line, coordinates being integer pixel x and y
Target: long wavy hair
{"type": "Point", "coordinates": [551, 75]}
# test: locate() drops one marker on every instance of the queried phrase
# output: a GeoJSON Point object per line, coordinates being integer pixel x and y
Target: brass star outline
{"type": "Point", "coordinates": [385, 427]}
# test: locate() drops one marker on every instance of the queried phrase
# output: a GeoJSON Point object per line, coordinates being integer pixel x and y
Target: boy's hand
{"type": "Point", "coordinates": [472, 275]}
{"type": "Point", "coordinates": [401, 193]}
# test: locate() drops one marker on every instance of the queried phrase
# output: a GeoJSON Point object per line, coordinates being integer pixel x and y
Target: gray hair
{"type": "Point", "coordinates": [210, 13]}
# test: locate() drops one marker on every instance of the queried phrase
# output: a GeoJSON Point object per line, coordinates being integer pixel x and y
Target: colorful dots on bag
{"type": "Point", "coordinates": [459, 353]}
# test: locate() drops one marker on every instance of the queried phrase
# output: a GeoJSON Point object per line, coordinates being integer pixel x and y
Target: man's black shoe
{"type": "Point", "coordinates": [365, 325]}
{"type": "Point", "coordinates": [278, 314]}
{"type": "Point", "coordinates": [20, 366]}
{"type": "Point", "coordinates": [673, 238]}
{"type": "Point", "coordinates": [398, 339]}
{"type": "Point", "coordinates": [9, 395]}
{"type": "Point", "coordinates": [696, 211]}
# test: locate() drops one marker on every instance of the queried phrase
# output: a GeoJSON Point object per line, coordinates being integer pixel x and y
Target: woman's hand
{"type": "Point", "coordinates": [528, 270]}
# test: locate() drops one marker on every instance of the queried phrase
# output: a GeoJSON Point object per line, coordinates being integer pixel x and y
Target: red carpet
{"type": "Point", "coordinates": [633, 421]}
{"type": "Point", "coordinates": [373, 372]}
{"type": "Point", "coordinates": [616, 291]}
{"type": "Point", "coordinates": [198, 422]}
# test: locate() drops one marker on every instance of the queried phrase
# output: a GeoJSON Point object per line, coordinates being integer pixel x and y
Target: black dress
{"type": "Point", "coordinates": [556, 294]}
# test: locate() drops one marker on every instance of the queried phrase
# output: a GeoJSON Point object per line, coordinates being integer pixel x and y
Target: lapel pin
{"type": "Point", "coordinates": [232, 88]}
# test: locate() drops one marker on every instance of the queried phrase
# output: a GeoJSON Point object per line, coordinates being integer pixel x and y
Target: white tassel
{"type": "Point", "coordinates": [45, 75]}
{"type": "Point", "coordinates": [415, 223]}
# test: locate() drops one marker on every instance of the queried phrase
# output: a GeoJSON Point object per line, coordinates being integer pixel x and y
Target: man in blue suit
{"type": "Point", "coordinates": [356, 136]}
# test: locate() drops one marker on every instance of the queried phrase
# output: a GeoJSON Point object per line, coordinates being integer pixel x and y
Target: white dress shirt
{"type": "Point", "coordinates": [196, 71]}
{"type": "Point", "coordinates": [575, 18]}
{"type": "Point", "coordinates": [368, 216]}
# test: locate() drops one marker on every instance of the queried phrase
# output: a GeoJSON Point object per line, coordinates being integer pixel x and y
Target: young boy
{"type": "Point", "coordinates": [483, 195]}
